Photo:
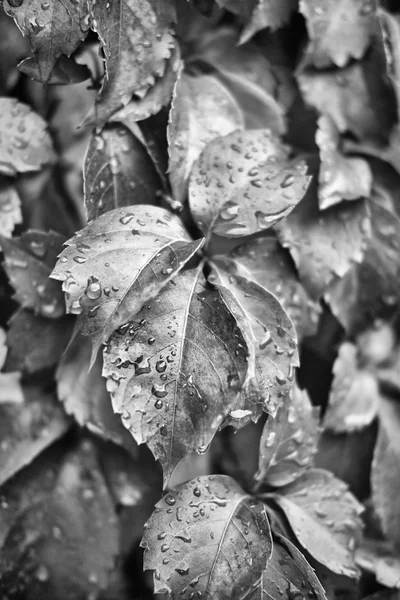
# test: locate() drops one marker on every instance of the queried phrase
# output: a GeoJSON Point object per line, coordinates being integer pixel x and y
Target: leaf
{"type": "Point", "coordinates": [118, 172]}
{"type": "Point", "coordinates": [339, 31]}
{"type": "Point", "coordinates": [10, 389]}
{"type": "Point", "coordinates": [65, 71]}
{"type": "Point", "coordinates": [244, 183]}
{"type": "Point", "coordinates": [324, 517]}
{"type": "Point", "coordinates": [385, 470]}
{"type": "Point", "coordinates": [25, 142]}
{"type": "Point", "coordinates": [13, 48]}
{"type": "Point", "coordinates": [175, 371]}
{"type": "Point", "coordinates": [137, 42]}
{"type": "Point", "coordinates": [354, 397]}
{"type": "Point", "coordinates": [58, 529]}
{"type": "Point", "coordinates": [202, 110]}
{"type": "Point", "coordinates": [264, 261]}
{"type": "Point", "coordinates": [117, 263]}
{"type": "Point", "coordinates": [269, 334]}
{"type": "Point", "coordinates": [53, 28]}
{"type": "Point", "coordinates": [218, 550]}
{"type": "Point", "coordinates": [10, 209]}
{"type": "Point", "coordinates": [340, 177]}
{"type": "Point", "coordinates": [381, 559]}
{"type": "Point", "coordinates": [289, 441]}
{"type": "Point", "coordinates": [268, 13]}
{"type": "Point", "coordinates": [287, 576]}
{"type": "Point", "coordinates": [324, 244]}
{"type": "Point", "coordinates": [29, 260]}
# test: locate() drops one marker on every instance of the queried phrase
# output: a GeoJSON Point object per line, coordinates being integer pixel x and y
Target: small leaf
{"type": "Point", "coordinates": [324, 517]}
{"type": "Point", "coordinates": [202, 110]}
{"type": "Point", "coordinates": [65, 71]}
{"type": "Point", "coordinates": [25, 142]}
{"type": "Point", "coordinates": [29, 260]}
{"type": "Point", "coordinates": [119, 262]}
{"type": "Point", "coordinates": [268, 13]}
{"type": "Point", "coordinates": [339, 30]}
{"type": "Point", "coordinates": [117, 171]}
{"type": "Point", "coordinates": [381, 559]}
{"type": "Point", "coordinates": [207, 536]}
{"type": "Point", "coordinates": [289, 441]}
{"type": "Point", "coordinates": [175, 372]}
{"type": "Point", "coordinates": [53, 28]}
{"type": "Point", "coordinates": [244, 183]}
{"type": "Point", "coordinates": [354, 397]}
{"type": "Point", "coordinates": [10, 209]}
{"type": "Point", "coordinates": [137, 43]}
{"type": "Point", "coordinates": [340, 177]}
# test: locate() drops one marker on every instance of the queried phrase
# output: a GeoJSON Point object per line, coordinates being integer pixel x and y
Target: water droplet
{"type": "Point", "coordinates": [126, 219]}
{"type": "Point", "coordinates": [164, 547]}
{"type": "Point", "coordinates": [288, 181]}
{"type": "Point", "coordinates": [42, 573]}
{"type": "Point", "coordinates": [162, 535]}
{"type": "Point", "coordinates": [159, 390]}
{"type": "Point", "coordinates": [93, 290]}
{"type": "Point", "coordinates": [170, 500]}
{"type": "Point", "coordinates": [266, 340]}
{"type": "Point", "coordinates": [151, 341]}
{"type": "Point", "coordinates": [270, 439]}
{"type": "Point", "coordinates": [182, 571]}
{"type": "Point", "coordinates": [158, 404]}
{"type": "Point", "coordinates": [161, 365]}
{"type": "Point", "coordinates": [15, 3]}
{"type": "Point", "coordinates": [229, 213]}
{"type": "Point", "coordinates": [79, 259]}
{"type": "Point", "coordinates": [197, 492]}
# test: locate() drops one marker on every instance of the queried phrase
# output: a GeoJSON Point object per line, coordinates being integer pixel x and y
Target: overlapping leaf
{"type": "Point", "coordinates": [10, 209]}
{"type": "Point", "coordinates": [381, 559]}
{"type": "Point", "coordinates": [268, 13]}
{"type": "Point", "coordinates": [10, 386]}
{"type": "Point", "coordinates": [216, 545]}
{"type": "Point", "coordinates": [65, 72]}
{"type": "Point", "coordinates": [244, 183]}
{"type": "Point", "coordinates": [119, 262]}
{"type": "Point", "coordinates": [176, 370]}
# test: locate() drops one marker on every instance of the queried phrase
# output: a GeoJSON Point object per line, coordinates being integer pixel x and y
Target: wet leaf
{"type": "Point", "coordinates": [289, 441]}
{"type": "Point", "coordinates": [118, 172]}
{"type": "Point", "coordinates": [268, 13]}
{"type": "Point", "coordinates": [10, 387]}
{"type": "Point", "coordinates": [244, 183]}
{"type": "Point", "coordinates": [175, 371]}
{"type": "Point", "coordinates": [28, 262]}
{"type": "Point", "coordinates": [65, 71]}
{"type": "Point", "coordinates": [207, 536]}
{"type": "Point", "coordinates": [137, 42]}
{"type": "Point", "coordinates": [324, 518]}
{"type": "Point", "coordinates": [202, 110]}
{"type": "Point", "coordinates": [339, 31]}
{"type": "Point", "coordinates": [340, 177]}
{"type": "Point", "coordinates": [25, 142]}
{"type": "Point", "coordinates": [10, 209]}
{"type": "Point", "coordinates": [119, 262]}
{"type": "Point", "coordinates": [53, 28]}
{"type": "Point", "coordinates": [381, 559]}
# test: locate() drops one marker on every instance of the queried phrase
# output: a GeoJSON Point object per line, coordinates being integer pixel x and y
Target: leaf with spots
{"type": "Point", "coordinates": [10, 209]}
{"type": "Point", "coordinates": [118, 172]}
{"type": "Point", "coordinates": [203, 109]}
{"type": "Point", "coordinates": [289, 441]}
{"type": "Point", "coordinates": [137, 41]}
{"type": "Point", "coordinates": [117, 263]}
{"type": "Point", "coordinates": [25, 142]}
{"type": "Point", "coordinates": [54, 28]}
{"type": "Point", "coordinates": [176, 370]}
{"type": "Point", "coordinates": [273, 14]}
{"type": "Point", "coordinates": [244, 183]}
{"type": "Point", "coordinates": [207, 536]}
{"type": "Point", "coordinates": [324, 518]}
{"type": "Point", "coordinates": [28, 262]}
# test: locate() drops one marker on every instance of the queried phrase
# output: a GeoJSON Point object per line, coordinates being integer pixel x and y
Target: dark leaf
{"type": "Point", "coordinates": [207, 536]}
{"type": "Point", "coordinates": [10, 209]}
{"type": "Point", "coordinates": [65, 71]}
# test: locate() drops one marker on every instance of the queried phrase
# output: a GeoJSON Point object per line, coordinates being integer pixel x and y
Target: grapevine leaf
{"type": "Point", "coordinates": [385, 470]}
{"type": "Point", "coordinates": [324, 517]}
{"type": "Point", "coordinates": [339, 30]}
{"type": "Point", "coordinates": [29, 260]}
{"type": "Point", "coordinates": [289, 441]}
{"type": "Point", "coordinates": [119, 262]}
{"type": "Point", "coordinates": [231, 194]}
{"type": "Point", "coordinates": [268, 13]}
{"type": "Point", "coordinates": [137, 42]}
{"type": "Point", "coordinates": [10, 388]}
{"type": "Point", "coordinates": [175, 372]}
{"type": "Point", "coordinates": [202, 110]}
{"type": "Point", "coordinates": [10, 209]}
{"type": "Point", "coordinates": [354, 396]}
{"type": "Point", "coordinates": [25, 142]}
{"type": "Point", "coordinates": [118, 172]}
{"type": "Point", "coordinates": [324, 244]}
{"type": "Point", "coordinates": [340, 177]}
{"type": "Point", "coordinates": [219, 550]}
{"type": "Point", "coordinates": [65, 72]}
{"type": "Point", "coordinates": [381, 559]}
{"type": "Point", "coordinates": [53, 28]}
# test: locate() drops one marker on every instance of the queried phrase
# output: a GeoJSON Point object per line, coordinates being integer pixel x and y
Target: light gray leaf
{"type": "Point", "coordinates": [380, 558]}
{"type": "Point", "coordinates": [10, 209]}
{"type": "Point", "coordinates": [268, 13]}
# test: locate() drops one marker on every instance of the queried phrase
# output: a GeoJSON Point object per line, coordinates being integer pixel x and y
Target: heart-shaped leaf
{"type": "Point", "coordinates": [244, 183]}
{"type": "Point", "coordinates": [208, 537]}
{"type": "Point", "coordinates": [10, 209]}
{"type": "Point", "coordinates": [175, 372]}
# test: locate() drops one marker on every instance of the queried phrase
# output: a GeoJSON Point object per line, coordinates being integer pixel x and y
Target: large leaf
{"type": "Point", "coordinates": [340, 30]}
{"type": "Point", "coordinates": [324, 517]}
{"type": "Point", "coordinates": [25, 142]}
{"type": "Point", "coordinates": [289, 441]}
{"type": "Point", "coordinates": [118, 172]}
{"type": "Point", "coordinates": [29, 260]}
{"type": "Point", "coordinates": [244, 183]}
{"type": "Point", "coordinates": [176, 370]}
{"type": "Point", "coordinates": [10, 209]}
{"type": "Point", "coordinates": [53, 28]}
{"type": "Point", "coordinates": [119, 262]}
{"type": "Point", "coordinates": [207, 537]}
{"type": "Point", "coordinates": [137, 42]}
{"type": "Point", "coordinates": [202, 110]}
